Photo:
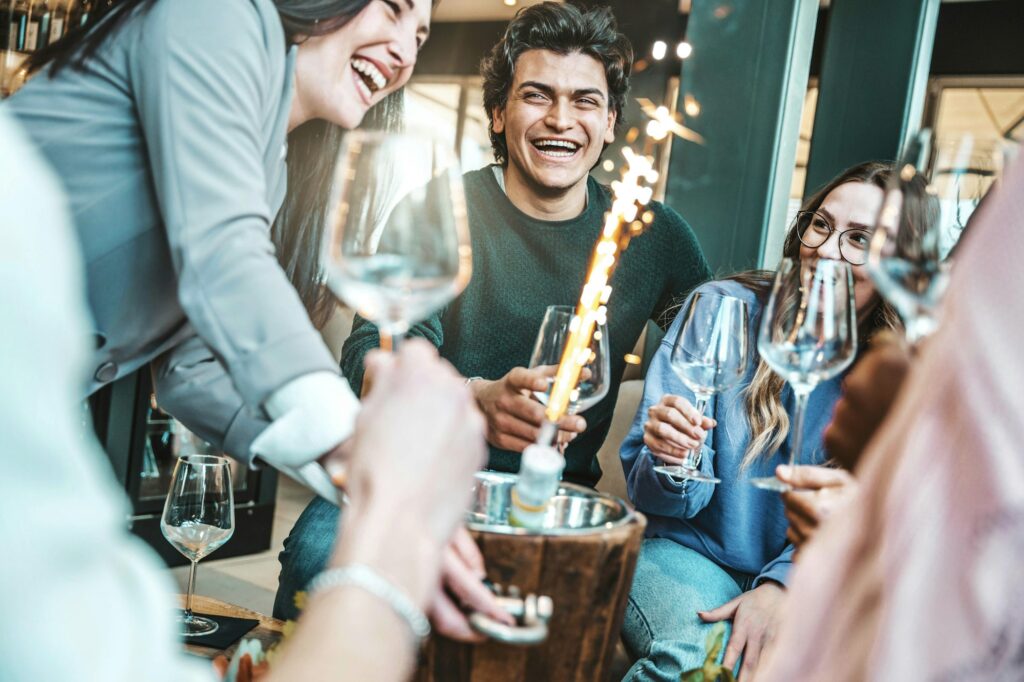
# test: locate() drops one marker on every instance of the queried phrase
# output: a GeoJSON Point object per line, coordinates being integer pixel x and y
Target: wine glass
{"type": "Point", "coordinates": [396, 247]}
{"type": "Point", "coordinates": [559, 321]}
{"type": "Point", "coordinates": [709, 355]}
{"type": "Point", "coordinates": [808, 335]}
{"type": "Point", "coordinates": [199, 517]}
{"type": "Point", "coordinates": [927, 203]}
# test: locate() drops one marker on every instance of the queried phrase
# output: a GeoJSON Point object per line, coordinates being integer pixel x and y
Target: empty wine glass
{"type": "Point", "coordinates": [808, 335]}
{"type": "Point", "coordinates": [199, 517]}
{"type": "Point", "coordinates": [926, 206]}
{"type": "Point", "coordinates": [396, 247]}
{"type": "Point", "coordinates": [558, 323]}
{"type": "Point", "coordinates": [709, 355]}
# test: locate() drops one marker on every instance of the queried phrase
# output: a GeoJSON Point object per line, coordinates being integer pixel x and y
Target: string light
{"type": "Point", "coordinates": [659, 49]}
{"type": "Point", "coordinates": [684, 50]}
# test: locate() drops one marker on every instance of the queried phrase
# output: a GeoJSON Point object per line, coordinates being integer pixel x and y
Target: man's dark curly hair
{"type": "Point", "coordinates": [563, 29]}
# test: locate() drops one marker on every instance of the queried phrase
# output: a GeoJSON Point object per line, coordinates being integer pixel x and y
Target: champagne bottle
{"type": "Point", "coordinates": [19, 25]}
{"type": "Point", "coordinates": [540, 471]}
{"type": "Point", "coordinates": [42, 10]}
{"type": "Point", "coordinates": [58, 16]}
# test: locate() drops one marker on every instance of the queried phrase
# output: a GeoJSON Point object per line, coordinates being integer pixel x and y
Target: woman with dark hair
{"type": "Point", "coordinates": [196, 141]}
{"type": "Point", "coordinates": [719, 553]}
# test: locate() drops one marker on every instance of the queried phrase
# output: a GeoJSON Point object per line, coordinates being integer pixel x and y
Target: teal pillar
{"type": "Point", "coordinates": [874, 78]}
{"type": "Point", "coordinates": [742, 89]}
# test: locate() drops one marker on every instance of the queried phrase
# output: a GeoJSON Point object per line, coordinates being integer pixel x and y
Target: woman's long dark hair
{"type": "Point", "coordinates": [312, 147]}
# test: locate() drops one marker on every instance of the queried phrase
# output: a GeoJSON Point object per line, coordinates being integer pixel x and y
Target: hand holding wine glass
{"type": "Point", "coordinates": [396, 248]}
{"type": "Point", "coordinates": [808, 335]}
{"type": "Point", "coordinates": [709, 355]}
{"type": "Point", "coordinates": [198, 517]}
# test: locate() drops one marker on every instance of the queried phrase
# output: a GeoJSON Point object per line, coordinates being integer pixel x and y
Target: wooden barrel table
{"type": "Point", "coordinates": [586, 571]}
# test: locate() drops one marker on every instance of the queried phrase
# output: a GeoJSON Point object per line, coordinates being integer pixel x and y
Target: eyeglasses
{"type": "Point", "coordinates": [814, 229]}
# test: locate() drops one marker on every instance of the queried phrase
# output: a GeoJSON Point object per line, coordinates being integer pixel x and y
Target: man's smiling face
{"type": "Point", "coordinates": [557, 119]}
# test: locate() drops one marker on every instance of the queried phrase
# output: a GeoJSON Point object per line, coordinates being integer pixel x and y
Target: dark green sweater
{"type": "Point", "coordinates": [521, 265]}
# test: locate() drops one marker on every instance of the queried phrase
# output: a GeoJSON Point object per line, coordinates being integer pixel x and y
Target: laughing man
{"type": "Point", "coordinates": [554, 89]}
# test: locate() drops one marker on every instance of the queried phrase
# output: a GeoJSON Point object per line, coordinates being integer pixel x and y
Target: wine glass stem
{"type": "Point", "coordinates": [692, 460]}
{"type": "Point", "coordinates": [798, 426]}
{"type": "Point", "coordinates": [191, 589]}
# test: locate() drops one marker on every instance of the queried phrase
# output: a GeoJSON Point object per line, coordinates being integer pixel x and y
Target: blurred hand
{"type": "Point", "coordinates": [869, 391]}
{"type": "Point", "coordinates": [418, 440]}
{"type": "Point", "coordinates": [674, 427]}
{"type": "Point", "coordinates": [513, 416]}
{"type": "Point", "coordinates": [755, 620]}
{"type": "Point", "coordinates": [818, 492]}
{"type": "Point", "coordinates": [463, 591]}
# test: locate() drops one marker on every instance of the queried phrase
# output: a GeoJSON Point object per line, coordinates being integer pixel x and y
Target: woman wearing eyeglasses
{"type": "Point", "coordinates": [719, 552]}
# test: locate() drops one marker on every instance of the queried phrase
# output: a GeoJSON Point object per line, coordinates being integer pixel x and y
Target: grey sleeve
{"type": "Point", "coordinates": [193, 387]}
{"type": "Point", "coordinates": [202, 74]}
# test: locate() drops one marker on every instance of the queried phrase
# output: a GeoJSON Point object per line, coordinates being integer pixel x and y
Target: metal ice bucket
{"type": "Point", "coordinates": [574, 510]}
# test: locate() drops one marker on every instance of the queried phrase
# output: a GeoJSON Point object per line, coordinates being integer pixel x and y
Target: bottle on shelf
{"type": "Point", "coordinates": [58, 16]}
{"type": "Point", "coordinates": [31, 43]}
{"type": "Point", "coordinates": [41, 10]}
{"type": "Point", "coordinates": [540, 472]}
{"type": "Point", "coordinates": [19, 25]}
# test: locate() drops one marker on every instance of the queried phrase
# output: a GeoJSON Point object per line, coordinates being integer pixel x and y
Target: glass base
{"type": "Point", "coordinates": [685, 473]}
{"type": "Point", "coordinates": [196, 626]}
{"type": "Point", "coordinates": [771, 483]}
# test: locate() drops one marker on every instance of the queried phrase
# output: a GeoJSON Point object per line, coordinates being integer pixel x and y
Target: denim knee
{"type": "Point", "coordinates": [306, 551]}
{"type": "Point", "coordinates": [661, 627]}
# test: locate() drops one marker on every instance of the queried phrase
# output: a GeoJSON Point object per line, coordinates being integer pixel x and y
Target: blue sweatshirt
{"type": "Point", "coordinates": [734, 524]}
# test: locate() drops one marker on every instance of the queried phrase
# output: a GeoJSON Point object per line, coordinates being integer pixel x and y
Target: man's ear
{"type": "Point", "coordinates": [498, 120]}
{"type": "Point", "coordinates": [609, 133]}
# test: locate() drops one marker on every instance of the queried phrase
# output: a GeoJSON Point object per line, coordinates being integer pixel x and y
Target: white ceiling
{"type": "Point", "coordinates": [478, 10]}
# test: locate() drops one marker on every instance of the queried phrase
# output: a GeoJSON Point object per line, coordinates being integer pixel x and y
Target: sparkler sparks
{"type": "Point", "coordinates": [625, 220]}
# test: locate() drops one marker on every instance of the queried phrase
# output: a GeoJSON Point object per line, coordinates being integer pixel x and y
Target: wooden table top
{"type": "Point", "coordinates": [268, 631]}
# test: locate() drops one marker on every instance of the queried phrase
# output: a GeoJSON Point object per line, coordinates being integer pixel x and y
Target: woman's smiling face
{"type": "Point", "coordinates": [341, 74]}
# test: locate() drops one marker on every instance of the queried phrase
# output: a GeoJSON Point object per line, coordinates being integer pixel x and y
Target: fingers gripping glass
{"type": "Point", "coordinates": [710, 355]}
{"type": "Point", "coordinates": [814, 229]}
{"type": "Point", "coordinates": [199, 517]}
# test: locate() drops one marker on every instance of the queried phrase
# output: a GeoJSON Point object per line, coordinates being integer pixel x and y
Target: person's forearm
{"type": "Point", "coordinates": [346, 633]}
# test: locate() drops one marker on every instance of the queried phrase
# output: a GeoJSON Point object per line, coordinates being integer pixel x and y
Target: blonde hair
{"type": "Point", "coordinates": [768, 419]}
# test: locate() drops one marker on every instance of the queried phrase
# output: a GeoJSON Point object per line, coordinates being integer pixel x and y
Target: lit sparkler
{"type": "Point", "coordinates": [626, 219]}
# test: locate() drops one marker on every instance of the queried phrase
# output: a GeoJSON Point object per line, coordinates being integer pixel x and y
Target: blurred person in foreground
{"type": "Point", "coordinates": [87, 600]}
{"type": "Point", "coordinates": [918, 579]}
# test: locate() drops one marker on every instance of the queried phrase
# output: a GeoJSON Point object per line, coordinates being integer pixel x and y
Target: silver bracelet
{"type": "Point", "coordinates": [367, 579]}
{"type": "Point", "coordinates": [472, 379]}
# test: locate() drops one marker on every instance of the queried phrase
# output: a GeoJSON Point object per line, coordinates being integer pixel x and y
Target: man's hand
{"type": "Point", "coordinates": [817, 492]}
{"type": "Point", "coordinates": [513, 416]}
{"type": "Point", "coordinates": [755, 618]}
{"type": "Point", "coordinates": [869, 392]}
{"type": "Point", "coordinates": [674, 427]}
{"type": "Point", "coordinates": [462, 572]}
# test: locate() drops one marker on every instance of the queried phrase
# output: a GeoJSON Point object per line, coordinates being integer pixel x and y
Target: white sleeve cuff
{"type": "Point", "coordinates": [311, 415]}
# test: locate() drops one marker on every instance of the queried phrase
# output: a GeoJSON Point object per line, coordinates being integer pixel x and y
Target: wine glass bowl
{"type": "Point", "coordinates": [710, 355]}
{"type": "Point", "coordinates": [198, 518]}
{"type": "Point", "coordinates": [554, 332]}
{"type": "Point", "coordinates": [924, 211]}
{"type": "Point", "coordinates": [396, 247]}
{"type": "Point", "coordinates": [808, 334]}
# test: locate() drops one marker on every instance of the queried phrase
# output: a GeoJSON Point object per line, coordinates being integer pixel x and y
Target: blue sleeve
{"type": "Point", "coordinates": [650, 491]}
{"type": "Point", "coordinates": [778, 568]}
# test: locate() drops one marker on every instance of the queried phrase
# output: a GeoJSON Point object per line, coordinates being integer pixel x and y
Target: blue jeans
{"type": "Point", "coordinates": [306, 551]}
{"type": "Point", "coordinates": [661, 628]}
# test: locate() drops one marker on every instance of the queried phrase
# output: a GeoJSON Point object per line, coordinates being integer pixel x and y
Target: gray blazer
{"type": "Point", "coordinates": [172, 150]}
